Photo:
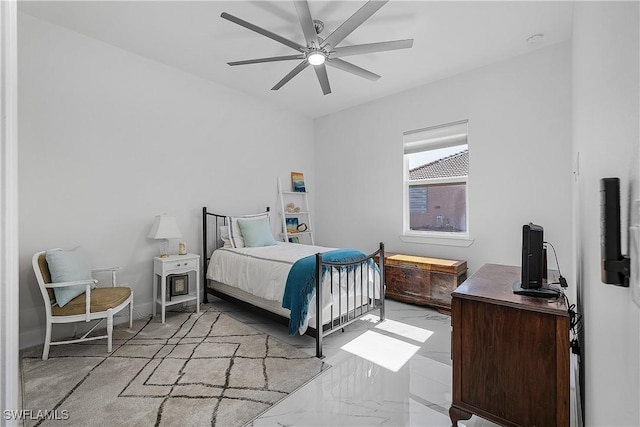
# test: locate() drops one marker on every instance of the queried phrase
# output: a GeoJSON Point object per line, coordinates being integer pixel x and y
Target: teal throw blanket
{"type": "Point", "coordinates": [301, 283]}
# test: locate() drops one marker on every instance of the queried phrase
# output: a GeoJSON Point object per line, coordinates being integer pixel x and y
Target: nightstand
{"type": "Point", "coordinates": [175, 264]}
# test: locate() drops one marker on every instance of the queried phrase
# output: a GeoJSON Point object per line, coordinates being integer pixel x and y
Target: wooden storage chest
{"type": "Point", "coordinates": [423, 280]}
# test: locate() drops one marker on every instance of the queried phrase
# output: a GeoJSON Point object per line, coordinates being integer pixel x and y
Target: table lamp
{"type": "Point", "coordinates": [164, 228]}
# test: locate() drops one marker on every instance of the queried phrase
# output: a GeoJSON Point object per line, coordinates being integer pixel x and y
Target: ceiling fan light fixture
{"type": "Point", "coordinates": [316, 58]}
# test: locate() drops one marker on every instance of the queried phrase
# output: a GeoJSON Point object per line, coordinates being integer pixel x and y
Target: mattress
{"type": "Point", "coordinates": [262, 272]}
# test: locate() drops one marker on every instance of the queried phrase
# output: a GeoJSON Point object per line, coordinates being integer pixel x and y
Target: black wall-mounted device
{"type": "Point", "coordinates": [615, 268]}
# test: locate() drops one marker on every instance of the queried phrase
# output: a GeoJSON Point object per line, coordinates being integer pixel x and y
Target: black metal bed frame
{"type": "Point", "coordinates": [353, 269]}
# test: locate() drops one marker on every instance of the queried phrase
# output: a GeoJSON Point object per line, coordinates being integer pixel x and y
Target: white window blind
{"type": "Point", "coordinates": [432, 138]}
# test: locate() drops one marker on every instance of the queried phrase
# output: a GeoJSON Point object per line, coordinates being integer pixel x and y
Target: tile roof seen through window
{"type": "Point", "coordinates": [447, 167]}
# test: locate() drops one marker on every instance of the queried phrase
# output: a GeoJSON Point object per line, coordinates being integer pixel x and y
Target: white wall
{"type": "Point", "coordinates": [109, 139]}
{"type": "Point", "coordinates": [519, 114]}
{"type": "Point", "coordinates": [606, 136]}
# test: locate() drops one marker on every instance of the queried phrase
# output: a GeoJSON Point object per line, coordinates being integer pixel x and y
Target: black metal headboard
{"type": "Point", "coordinates": [217, 220]}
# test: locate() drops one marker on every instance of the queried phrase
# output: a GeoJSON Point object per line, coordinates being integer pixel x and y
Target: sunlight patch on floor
{"type": "Point", "coordinates": [407, 331]}
{"type": "Point", "coordinates": [390, 353]}
{"type": "Point", "coordinates": [414, 333]}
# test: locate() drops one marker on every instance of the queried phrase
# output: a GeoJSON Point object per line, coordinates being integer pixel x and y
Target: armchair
{"type": "Point", "coordinates": [92, 304]}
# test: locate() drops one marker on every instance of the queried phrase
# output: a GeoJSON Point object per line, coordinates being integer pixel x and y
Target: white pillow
{"type": "Point", "coordinates": [224, 236]}
{"type": "Point", "coordinates": [235, 234]}
{"type": "Point", "coordinates": [68, 266]}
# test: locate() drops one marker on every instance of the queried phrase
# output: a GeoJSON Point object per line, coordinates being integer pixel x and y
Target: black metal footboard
{"type": "Point", "coordinates": [345, 279]}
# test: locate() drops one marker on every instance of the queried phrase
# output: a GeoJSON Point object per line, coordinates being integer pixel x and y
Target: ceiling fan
{"type": "Point", "coordinates": [320, 52]}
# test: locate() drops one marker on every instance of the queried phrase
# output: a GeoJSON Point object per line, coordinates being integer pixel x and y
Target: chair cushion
{"type": "Point", "coordinates": [67, 266]}
{"type": "Point", "coordinates": [102, 299]}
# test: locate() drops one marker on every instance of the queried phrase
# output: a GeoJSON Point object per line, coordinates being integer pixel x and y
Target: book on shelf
{"type": "Point", "coordinates": [297, 181]}
{"type": "Point", "coordinates": [292, 225]}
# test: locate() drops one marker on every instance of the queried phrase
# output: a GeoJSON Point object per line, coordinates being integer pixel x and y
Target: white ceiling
{"type": "Point", "coordinates": [449, 38]}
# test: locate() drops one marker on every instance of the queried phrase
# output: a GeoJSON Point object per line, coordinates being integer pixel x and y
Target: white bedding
{"type": "Point", "coordinates": [263, 272]}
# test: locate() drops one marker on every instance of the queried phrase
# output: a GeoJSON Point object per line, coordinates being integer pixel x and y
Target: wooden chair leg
{"type": "Point", "coordinates": [47, 342]}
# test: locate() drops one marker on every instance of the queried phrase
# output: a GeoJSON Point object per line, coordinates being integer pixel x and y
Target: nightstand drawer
{"type": "Point", "coordinates": [175, 265]}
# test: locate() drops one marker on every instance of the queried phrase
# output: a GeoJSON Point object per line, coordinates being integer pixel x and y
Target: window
{"type": "Point", "coordinates": [436, 164]}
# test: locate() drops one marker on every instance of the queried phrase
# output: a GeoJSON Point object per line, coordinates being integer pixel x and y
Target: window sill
{"type": "Point", "coordinates": [435, 239]}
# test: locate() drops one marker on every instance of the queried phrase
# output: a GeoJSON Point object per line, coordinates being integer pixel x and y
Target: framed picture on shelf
{"type": "Point", "coordinates": [178, 284]}
{"type": "Point", "coordinates": [294, 239]}
{"type": "Point", "coordinates": [297, 181]}
{"type": "Point", "coordinates": [292, 225]}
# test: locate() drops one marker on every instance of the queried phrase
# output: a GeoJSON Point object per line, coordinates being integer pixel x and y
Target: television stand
{"type": "Point", "coordinates": [545, 291]}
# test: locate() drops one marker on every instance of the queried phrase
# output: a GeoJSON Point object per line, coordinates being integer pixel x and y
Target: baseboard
{"type": "Point", "coordinates": [576, 403]}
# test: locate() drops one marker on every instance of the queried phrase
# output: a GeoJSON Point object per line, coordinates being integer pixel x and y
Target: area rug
{"type": "Point", "coordinates": [195, 369]}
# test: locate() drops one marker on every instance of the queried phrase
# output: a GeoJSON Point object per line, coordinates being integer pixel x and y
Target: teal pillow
{"type": "Point", "coordinates": [68, 266]}
{"type": "Point", "coordinates": [256, 232]}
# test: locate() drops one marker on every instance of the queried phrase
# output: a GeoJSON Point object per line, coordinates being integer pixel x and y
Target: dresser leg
{"type": "Point", "coordinates": [457, 414]}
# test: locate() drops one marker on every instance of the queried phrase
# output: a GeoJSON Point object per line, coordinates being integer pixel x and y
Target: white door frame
{"type": "Point", "coordinates": [10, 387]}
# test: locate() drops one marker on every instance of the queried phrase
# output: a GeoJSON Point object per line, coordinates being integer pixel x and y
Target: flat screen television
{"type": "Point", "coordinates": [533, 270]}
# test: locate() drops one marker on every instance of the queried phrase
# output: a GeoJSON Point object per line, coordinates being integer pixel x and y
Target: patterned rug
{"type": "Point", "coordinates": [195, 369]}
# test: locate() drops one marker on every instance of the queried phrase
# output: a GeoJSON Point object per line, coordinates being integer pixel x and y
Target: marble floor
{"type": "Point", "coordinates": [391, 373]}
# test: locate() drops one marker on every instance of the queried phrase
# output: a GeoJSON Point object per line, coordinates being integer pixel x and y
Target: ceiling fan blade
{"type": "Point", "coordinates": [306, 22]}
{"type": "Point", "coordinates": [347, 27]}
{"type": "Point", "coordinates": [262, 31]}
{"type": "Point", "coordinates": [321, 72]}
{"type": "Point", "coordinates": [301, 66]}
{"type": "Point", "coordinates": [354, 69]}
{"type": "Point", "coordinates": [371, 48]}
{"type": "Point", "coordinates": [270, 59]}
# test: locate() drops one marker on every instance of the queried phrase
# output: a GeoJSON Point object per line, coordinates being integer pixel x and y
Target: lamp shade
{"type": "Point", "coordinates": [164, 227]}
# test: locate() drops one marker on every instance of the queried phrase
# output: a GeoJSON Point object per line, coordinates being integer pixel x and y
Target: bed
{"type": "Point", "coordinates": [324, 289]}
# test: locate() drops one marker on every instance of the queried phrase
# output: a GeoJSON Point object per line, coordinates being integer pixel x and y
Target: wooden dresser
{"type": "Point", "coordinates": [510, 353]}
{"type": "Point", "coordinates": [422, 280]}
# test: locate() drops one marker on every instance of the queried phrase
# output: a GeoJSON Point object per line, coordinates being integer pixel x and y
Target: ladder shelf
{"type": "Point", "coordinates": [293, 223]}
